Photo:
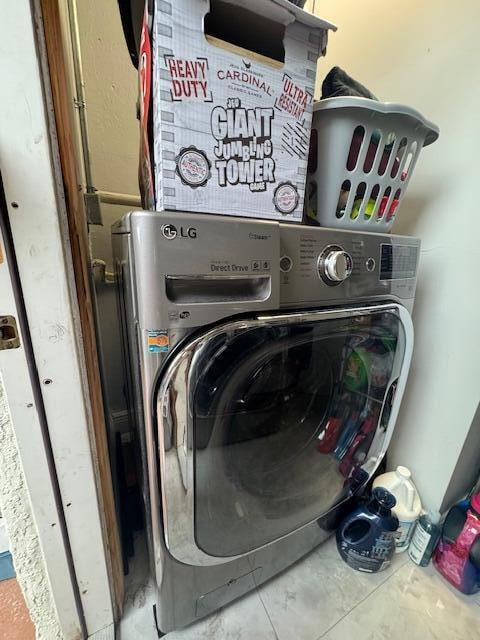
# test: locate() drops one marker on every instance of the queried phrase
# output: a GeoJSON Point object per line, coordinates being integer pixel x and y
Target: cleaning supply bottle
{"type": "Point", "coordinates": [366, 538]}
{"type": "Point", "coordinates": [424, 540]}
{"type": "Point", "coordinates": [408, 507]}
{"type": "Point", "coordinates": [457, 556]}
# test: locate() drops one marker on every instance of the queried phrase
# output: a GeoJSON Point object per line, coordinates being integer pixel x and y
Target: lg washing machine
{"type": "Point", "coordinates": [266, 365]}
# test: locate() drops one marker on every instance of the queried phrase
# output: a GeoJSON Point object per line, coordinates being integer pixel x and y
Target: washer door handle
{"type": "Point", "coordinates": [387, 405]}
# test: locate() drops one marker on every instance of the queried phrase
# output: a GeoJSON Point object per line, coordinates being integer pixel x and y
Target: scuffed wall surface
{"type": "Point", "coordinates": [22, 532]}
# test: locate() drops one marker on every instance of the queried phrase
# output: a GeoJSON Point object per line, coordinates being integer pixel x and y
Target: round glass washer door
{"type": "Point", "coordinates": [280, 415]}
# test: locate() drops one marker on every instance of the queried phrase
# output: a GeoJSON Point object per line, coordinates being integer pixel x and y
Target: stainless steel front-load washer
{"type": "Point", "coordinates": [266, 364]}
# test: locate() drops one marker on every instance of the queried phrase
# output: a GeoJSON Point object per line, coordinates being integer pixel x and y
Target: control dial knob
{"type": "Point", "coordinates": [337, 265]}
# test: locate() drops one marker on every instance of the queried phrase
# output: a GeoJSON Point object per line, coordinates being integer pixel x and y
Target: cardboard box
{"type": "Point", "coordinates": [231, 106]}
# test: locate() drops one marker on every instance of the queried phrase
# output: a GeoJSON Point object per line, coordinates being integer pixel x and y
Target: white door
{"type": "Point", "coordinates": [28, 483]}
{"type": "Point", "coordinates": [35, 208]}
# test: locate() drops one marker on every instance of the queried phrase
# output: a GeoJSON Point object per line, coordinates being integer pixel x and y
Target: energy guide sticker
{"type": "Point", "coordinates": [158, 341]}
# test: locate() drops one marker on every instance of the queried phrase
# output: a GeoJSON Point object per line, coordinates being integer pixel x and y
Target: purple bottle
{"type": "Point", "coordinates": [457, 556]}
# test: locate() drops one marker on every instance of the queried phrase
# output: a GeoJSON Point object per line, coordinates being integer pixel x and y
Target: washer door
{"type": "Point", "coordinates": [261, 423]}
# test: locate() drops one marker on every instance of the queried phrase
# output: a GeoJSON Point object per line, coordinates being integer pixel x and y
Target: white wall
{"type": "Point", "coordinates": [111, 97]}
{"type": "Point", "coordinates": [427, 54]}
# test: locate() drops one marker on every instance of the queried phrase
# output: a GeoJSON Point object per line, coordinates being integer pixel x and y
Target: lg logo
{"type": "Point", "coordinates": [170, 232]}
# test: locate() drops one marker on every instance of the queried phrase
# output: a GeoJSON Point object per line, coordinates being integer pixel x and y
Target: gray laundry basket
{"type": "Point", "coordinates": [362, 157]}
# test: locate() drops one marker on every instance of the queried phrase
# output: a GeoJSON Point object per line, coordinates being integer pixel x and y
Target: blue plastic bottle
{"type": "Point", "coordinates": [366, 538]}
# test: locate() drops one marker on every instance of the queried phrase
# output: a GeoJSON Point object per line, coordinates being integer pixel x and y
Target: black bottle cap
{"type": "Point", "coordinates": [384, 498]}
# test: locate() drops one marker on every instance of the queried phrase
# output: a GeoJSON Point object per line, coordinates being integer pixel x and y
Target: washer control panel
{"type": "Point", "coordinates": [320, 264]}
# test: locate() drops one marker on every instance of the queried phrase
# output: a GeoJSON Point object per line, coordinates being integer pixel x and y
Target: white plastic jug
{"type": "Point", "coordinates": [408, 507]}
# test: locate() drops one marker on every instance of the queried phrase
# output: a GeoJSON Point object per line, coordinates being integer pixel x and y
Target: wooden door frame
{"type": "Point", "coordinates": [62, 101]}
{"type": "Point", "coordinates": [49, 234]}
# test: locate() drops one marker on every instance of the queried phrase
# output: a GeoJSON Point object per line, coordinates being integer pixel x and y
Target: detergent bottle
{"type": "Point", "coordinates": [408, 507]}
{"type": "Point", "coordinates": [366, 538]}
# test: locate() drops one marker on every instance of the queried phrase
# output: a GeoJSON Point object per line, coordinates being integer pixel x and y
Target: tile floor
{"type": "Point", "coordinates": [321, 597]}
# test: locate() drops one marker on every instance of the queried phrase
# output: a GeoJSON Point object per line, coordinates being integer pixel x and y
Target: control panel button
{"type": "Point", "coordinates": [370, 264]}
{"type": "Point", "coordinates": [335, 265]}
{"type": "Point", "coordinates": [286, 264]}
